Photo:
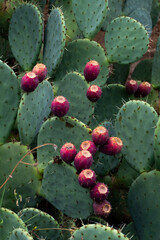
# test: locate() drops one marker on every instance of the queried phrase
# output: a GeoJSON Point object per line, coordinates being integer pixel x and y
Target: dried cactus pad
{"type": "Point", "coordinates": [90, 15]}
{"type": "Point", "coordinates": [8, 222]}
{"type": "Point", "coordinates": [20, 234]}
{"type": "Point", "coordinates": [61, 188]}
{"type": "Point", "coordinates": [126, 40]}
{"type": "Point", "coordinates": [9, 100]}
{"type": "Point", "coordinates": [99, 232]}
{"type": "Point", "coordinates": [25, 35]}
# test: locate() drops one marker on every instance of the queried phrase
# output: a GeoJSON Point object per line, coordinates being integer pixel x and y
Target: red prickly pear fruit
{"type": "Point", "coordinates": [100, 135]}
{"type": "Point", "coordinates": [102, 209]}
{"type": "Point", "coordinates": [91, 70]}
{"type": "Point", "coordinates": [94, 92]}
{"type": "Point", "coordinates": [40, 70]}
{"type": "Point", "coordinates": [113, 146]}
{"type": "Point", "coordinates": [99, 192]}
{"type": "Point", "coordinates": [60, 106]}
{"type": "Point", "coordinates": [83, 160]}
{"type": "Point", "coordinates": [87, 178]}
{"type": "Point", "coordinates": [29, 82]}
{"type": "Point", "coordinates": [143, 89]}
{"type": "Point", "coordinates": [131, 86]}
{"type": "Point", "coordinates": [68, 152]}
{"type": "Point", "coordinates": [89, 146]}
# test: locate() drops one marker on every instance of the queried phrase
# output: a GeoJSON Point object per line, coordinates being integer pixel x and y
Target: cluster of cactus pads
{"type": "Point", "coordinates": [79, 141]}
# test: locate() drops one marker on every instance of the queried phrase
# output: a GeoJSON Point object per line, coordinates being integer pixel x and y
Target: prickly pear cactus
{"type": "Point", "coordinates": [20, 234]}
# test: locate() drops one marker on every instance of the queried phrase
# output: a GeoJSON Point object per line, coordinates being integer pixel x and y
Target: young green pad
{"type": "Point", "coordinates": [135, 125]}
{"type": "Point", "coordinates": [33, 109]}
{"type": "Point", "coordinates": [25, 35]}
{"type": "Point", "coordinates": [20, 189]}
{"type": "Point", "coordinates": [8, 222]}
{"type": "Point", "coordinates": [97, 231]}
{"type": "Point", "coordinates": [111, 100]}
{"type": "Point", "coordinates": [59, 131]}
{"type": "Point", "coordinates": [73, 32]}
{"type": "Point", "coordinates": [61, 188]}
{"type": "Point", "coordinates": [90, 15]}
{"type": "Point", "coordinates": [20, 234]}
{"type": "Point", "coordinates": [126, 40]}
{"type": "Point", "coordinates": [9, 100]}
{"type": "Point", "coordinates": [131, 5]}
{"type": "Point", "coordinates": [74, 88]}
{"type": "Point", "coordinates": [55, 35]}
{"type": "Point", "coordinates": [38, 220]}
{"type": "Point", "coordinates": [144, 205]}
{"type": "Point", "coordinates": [77, 54]}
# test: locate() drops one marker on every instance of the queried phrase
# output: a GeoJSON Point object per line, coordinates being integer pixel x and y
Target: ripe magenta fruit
{"type": "Point", "coordinates": [112, 147]}
{"type": "Point", "coordinates": [89, 146]}
{"type": "Point", "coordinates": [131, 86]}
{"type": "Point", "coordinates": [143, 89]}
{"type": "Point", "coordinates": [40, 70]}
{"type": "Point", "coordinates": [60, 106]}
{"type": "Point", "coordinates": [83, 160]}
{"type": "Point", "coordinates": [102, 209]}
{"type": "Point", "coordinates": [68, 152]}
{"type": "Point", "coordinates": [87, 178]}
{"type": "Point", "coordinates": [91, 70]}
{"type": "Point", "coordinates": [100, 135]}
{"type": "Point", "coordinates": [29, 82]}
{"type": "Point", "coordinates": [99, 192]}
{"type": "Point", "coordinates": [94, 92]}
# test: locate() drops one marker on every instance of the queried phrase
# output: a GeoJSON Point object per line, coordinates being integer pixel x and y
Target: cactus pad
{"type": "Point", "coordinates": [135, 125]}
{"type": "Point", "coordinates": [126, 40]}
{"type": "Point", "coordinates": [131, 5]}
{"type": "Point", "coordinates": [54, 44]}
{"type": "Point", "coordinates": [25, 35]}
{"type": "Point", "coordinates": [33, 109]}
{"type": "Point", "coordinates": [61, 188]}
{"type": "Point", "coordinates": [155, 80]}
{"type": "Point", "coordinates": [143, 70]}
{"type": "Point", "coordinates": [20, 234]}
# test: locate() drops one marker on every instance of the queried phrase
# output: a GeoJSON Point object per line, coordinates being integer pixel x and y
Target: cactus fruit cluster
{"type": "Point", "coordinates": [79, 134]}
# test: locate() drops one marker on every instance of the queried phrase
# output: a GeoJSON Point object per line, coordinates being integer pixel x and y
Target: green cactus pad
{"type": "Point", "coordinates": [9, 100]}
{"type": "Point", "coordinates": [126, 40]}
{"type": "Point", "coordinates": [111, 100]}
{"type": "Point", "coordinates": [155, 79]}
{"type": "Point", "coordinates": [74, 88]}
{"type": "Point", "coordinates": [155, 12]}
{"type": "Point", "coordinates": [61, 188]}
{"type": "Point", "coordinates": [143, 70]}
{"type": "Point", "coordinates": [20, 234]}
{"type": "Point", "coordinates": [99, 232]}
{"type": "Point", "coordinates": [77, 54]}
{"type": "Point", "coordinates": [25, 35]}
{"type": "Point", "coordinates": [24, 182]}
{"type": "Point", "coordinates": [90, 15]}
{"type": "Point", "coordinates": [130, 231]}
{"type": "Point", "coordinates": [131, 5]}
{"type": "Point", "coordinates": [59, 131]}
{"type": "Point", "coordinates": [33, 109]}
{"type": "Point", "coordinates": [55, 35]}
{"type": "Point", "coordinates": [37, 221]}
{"type": "Point", "coordinates": [135, 125]}
{"type": "Point", "coordinates": [73, 31]}
{"type": "Point", "coordinates": [8, 222]}
{"type": "Point", "coordinates": [114, 10]}
{"type": "Point", "coordinates": [156, 144]}
{"type": "Point", "coordinates": [144, 205]}
{"type": "Point", "coordinates": [142, 15]}
{"type": "Point", "coordinates": [119, 73]}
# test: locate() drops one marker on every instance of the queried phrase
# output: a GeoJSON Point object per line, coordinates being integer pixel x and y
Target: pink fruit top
{"type": "Point", "coordinates": [60, 106]}
{"type": "Point", "coordinates": [113, 146]}
{"type": "Point", "coordinates": [29, 82]}
{"type": "Point", "coordinates": [94, 92]}
{"type": "Point", "coordinates": [102, 209]}
{"type": "Point", "coordinates": [87, 178]}
{"type": "Point", "coordinates": [99, 192]}
{"type": "Point", "coordinates": [143, 89]}
{"type": "Point", "coordinates": [91, 70]}
{"type": "Point", "coordinates": [68, 152]}
{"type": "Point", "coordinates": [40, 70]}
{"type": "Point", "coordinates": [100, 135]}
{"type": "Point", "coordinates": [83, 160]}
{"type": "Point", "coordinates": [89, 146]}
{"type": "Point", "coordinates": [131, 86]}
